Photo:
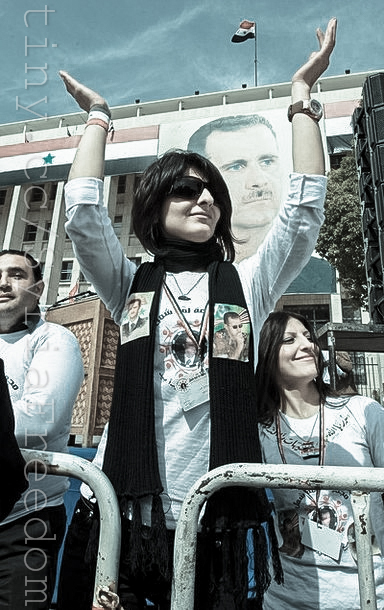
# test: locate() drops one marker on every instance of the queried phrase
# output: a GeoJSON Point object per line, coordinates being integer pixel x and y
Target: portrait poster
{"type": "Point", "coordinates": [135, 318]}
{"type": "Point", "coordinates": [253, 153]}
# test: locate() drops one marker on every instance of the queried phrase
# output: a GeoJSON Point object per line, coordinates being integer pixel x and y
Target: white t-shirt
{"type": "Point", "coordinates": [354, 431]}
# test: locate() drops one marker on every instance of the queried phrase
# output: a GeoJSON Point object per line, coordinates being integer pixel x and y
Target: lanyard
{"type": "Point", "coordinates": [185, 324]}
{"type": "Point", "coordinates": [321, 448]}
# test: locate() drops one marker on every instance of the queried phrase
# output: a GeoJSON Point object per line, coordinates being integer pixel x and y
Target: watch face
{"type": "Point", "coordinates": [311, 107]}
{"type": "Point", "coordinates": [315, 107]}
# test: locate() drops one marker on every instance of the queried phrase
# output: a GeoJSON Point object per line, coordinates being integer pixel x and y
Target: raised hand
{"type": "Point", "coordinates": [84, 96]}
{"type": "Point", "coordinates": [318, 61]}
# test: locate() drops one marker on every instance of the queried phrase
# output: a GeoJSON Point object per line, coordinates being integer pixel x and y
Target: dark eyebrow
{"type": "Point", "coordinates": [17, 270]}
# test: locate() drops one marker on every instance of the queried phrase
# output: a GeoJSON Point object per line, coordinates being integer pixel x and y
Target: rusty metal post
{"type": "Point", "coordinates": [264, 475]}
{"type": "Point", "coordinates": [108, 556]}
{"type": "Point", "coordinates": [331, 359]}
{"type": "Point", "coordinates": [360, 508]}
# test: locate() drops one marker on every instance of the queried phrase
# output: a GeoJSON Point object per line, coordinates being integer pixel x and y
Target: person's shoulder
{"type": "Point", "coordinates": [52, 329]}
{"type": "Point", "coordinates": [358, 404]}
{"type": "Point", "coordinates": [364, 401]}
{"type": "Point", "coordinates": [338, 401]}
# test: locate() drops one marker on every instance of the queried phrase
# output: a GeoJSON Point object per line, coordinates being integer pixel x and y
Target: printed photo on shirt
{"type": "Point", "coordinates": [135, 318]}
{"type": "Point", "coordinates": [187, 351]}
{"type": "Point", "coordinates": [231, 333]}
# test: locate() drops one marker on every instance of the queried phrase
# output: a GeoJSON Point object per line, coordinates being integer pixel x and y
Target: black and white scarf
{"type": "Point", "coordinates": [131, 460]}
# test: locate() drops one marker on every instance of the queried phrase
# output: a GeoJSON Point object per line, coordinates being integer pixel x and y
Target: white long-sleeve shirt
{"type": "Point", "coordinates": [182, 433]}
{"type": "Point", "coordinates": [44, 370]}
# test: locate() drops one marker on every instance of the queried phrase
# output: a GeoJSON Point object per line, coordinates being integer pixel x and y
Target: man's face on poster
{"type": "Point", "coordinates": [133, 309]}
{"type": "Point", "coordinates": [249, 162]}
{"type": "Point", "coordinates": [234, 327]}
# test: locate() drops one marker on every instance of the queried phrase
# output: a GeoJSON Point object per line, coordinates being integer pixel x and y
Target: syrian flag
{"type": "Point", "coordinates": [245, 31]}
{"type": "Point", "coordinates": [74, 291]}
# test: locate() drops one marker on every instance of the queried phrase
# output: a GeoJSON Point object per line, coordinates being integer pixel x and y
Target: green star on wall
{"type": "Point", "coordinates": [48, 159]}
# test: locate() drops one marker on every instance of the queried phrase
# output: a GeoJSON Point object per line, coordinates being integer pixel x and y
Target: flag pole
{"type": "Point", "coordinates": [255, 54]}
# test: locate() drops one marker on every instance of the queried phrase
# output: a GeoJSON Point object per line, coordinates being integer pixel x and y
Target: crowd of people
{"type": "Point", "coordinates": [200, 358]}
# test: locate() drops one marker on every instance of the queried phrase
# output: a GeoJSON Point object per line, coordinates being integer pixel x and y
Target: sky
{"type": "Point", "coordinates": [159, 49]}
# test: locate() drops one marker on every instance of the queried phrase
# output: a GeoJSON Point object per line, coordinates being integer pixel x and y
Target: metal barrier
{"type": "Point", "coordinates": [107, 568]}
{"type": "Point", "coordinates": [360, 481]}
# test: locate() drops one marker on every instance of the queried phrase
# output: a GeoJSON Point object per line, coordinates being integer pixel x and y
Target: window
{"type": "Point", "coordinates": [53, 191]}
{"type": "Point", "coordinates": [359, 367]}
{"type": "Point", "coordinates": [47, 230]}
{"type": "Point", "coordinates": [350, 314]}
{"type": "Point", "coordinates": [30, 233]}
{"type": "Point", "coordinates": [66, 271]}
{"type": "Point", "coordinates": [118, 225]}
{"type": "Point", "coordinates": [3, 195]}
{"type": "Point", "coordinates": [121, 184]}
{"type": "Point", "coordinates": [35, 197]}
{"type": "Point", "coordinates": [317, 315]}
{"type": "Point", "coordinates": [37, 194]}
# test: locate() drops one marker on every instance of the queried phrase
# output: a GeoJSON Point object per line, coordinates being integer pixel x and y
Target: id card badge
{"type": "Point", "coordinates": [194, 390]}
{"type": "Point", "coordinates": [321, 538]}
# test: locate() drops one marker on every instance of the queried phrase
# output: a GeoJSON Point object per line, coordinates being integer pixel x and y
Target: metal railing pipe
{"type": "Point", "coordinates": [108, 556]}
{"type": "Point", "coordinates": [272, 476]}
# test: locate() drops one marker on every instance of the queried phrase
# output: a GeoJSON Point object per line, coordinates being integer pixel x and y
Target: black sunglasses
{"type": "Point", "coordinates": [188, 187]}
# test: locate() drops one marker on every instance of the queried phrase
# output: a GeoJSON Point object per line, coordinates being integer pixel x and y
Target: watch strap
{"type": "Point", "coordinates": [303, 106]}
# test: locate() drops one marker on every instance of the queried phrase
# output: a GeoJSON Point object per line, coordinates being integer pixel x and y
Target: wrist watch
{"type": "Point", "coordinates": [312, 108]}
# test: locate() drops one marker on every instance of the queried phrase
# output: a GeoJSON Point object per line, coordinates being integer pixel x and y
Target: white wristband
{"type": "Point", "coordinates": [97, 114]}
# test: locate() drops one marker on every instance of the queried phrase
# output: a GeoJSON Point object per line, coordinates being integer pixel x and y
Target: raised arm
{"type": "Point", "coordinates": [89, 158]}
{"type": "Point", "coordinates": [307, 148]}
{"type": "Point", "coordinates": [96, 246]}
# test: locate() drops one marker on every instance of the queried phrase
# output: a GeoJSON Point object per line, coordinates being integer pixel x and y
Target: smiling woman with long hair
{"type": "Point", "coordinates": [303, 422]}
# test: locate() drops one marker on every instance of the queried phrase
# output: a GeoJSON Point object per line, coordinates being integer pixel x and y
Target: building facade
{"type": "Point", "coordinates": [35, 157]}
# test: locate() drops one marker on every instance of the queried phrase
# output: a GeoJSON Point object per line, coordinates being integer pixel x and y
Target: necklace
{"type": "Point", "coordinates": [306, 442]}
{"type": "Point", "coordinates": [308, 448]}
{"type": "Point", "coordinates": [184, 295]}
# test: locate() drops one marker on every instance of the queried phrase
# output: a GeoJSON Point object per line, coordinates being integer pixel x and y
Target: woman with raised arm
{"type": "Point", "coordinates": [179, 408]}
{"type": "Point", "coordinates": [303, 422]}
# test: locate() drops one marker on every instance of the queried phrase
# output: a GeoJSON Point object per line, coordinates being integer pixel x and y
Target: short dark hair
{"type": "Point", "coordinates": [154, 186]}
{"type": "Point", "coordinates": [134, 300]}
{"type": "Point", "coordinates": [32, 262]}
{"type": "Point", "coordinates": [198, 140]}
{"type": "Point", "coordinates": [230, 314]}
{"type": "Point", "coordinates": [269, 393]}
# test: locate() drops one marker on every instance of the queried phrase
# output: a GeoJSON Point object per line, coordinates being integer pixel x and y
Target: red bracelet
{"type": "Point", "coordinates": [99, 122]}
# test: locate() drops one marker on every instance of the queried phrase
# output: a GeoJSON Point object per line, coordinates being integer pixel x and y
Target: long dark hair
{"type": "Point", "coordinates": [269, 392]}
{"type": "Point", "coordinates": [155, 184]}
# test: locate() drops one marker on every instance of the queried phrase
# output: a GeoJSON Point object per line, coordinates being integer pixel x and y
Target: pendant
{"type": "Point", "coordinates": [309, 450]}
{"type": "Point", "coordinates": [183, 297]}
